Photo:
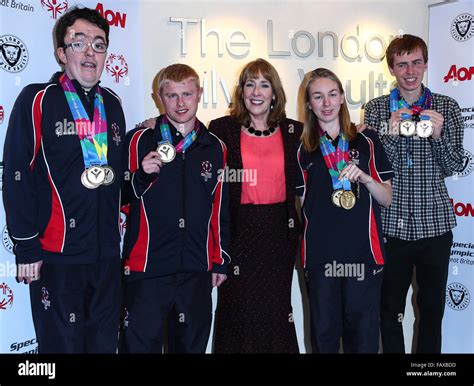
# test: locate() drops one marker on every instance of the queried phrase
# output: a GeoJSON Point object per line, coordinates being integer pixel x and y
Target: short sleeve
{"type": "Point", "coordinates": [380, 167]}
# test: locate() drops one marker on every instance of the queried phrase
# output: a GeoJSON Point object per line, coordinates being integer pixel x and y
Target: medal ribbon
{"type": "Point", "coordinates": [423, 103]}
{"type": "Point", "coordinates": [335, 159]}
{"type": "Point", "coordinates": [185, 142]}
{"type": "Point", "coordinates": [92, 135]}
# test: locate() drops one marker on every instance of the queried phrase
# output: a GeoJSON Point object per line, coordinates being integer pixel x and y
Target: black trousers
{"type": "Point", "coordinates": [76, 307]}
{"type": "Point", "coordinates": [430, 256]}
{"type": "Point", "coordinates": [182, 299]}
{"type": "Point", "coordinates": [343, 306]}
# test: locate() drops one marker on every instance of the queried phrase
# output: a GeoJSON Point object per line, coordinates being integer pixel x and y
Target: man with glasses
{"type": "Point", "coordinates": [62, 193]}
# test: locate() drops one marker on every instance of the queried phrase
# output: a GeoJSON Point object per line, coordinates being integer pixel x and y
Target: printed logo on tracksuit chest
{"type": "Point", "coordinates": [206, 170]}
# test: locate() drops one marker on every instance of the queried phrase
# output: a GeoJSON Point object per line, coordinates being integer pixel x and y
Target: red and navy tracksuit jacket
{"type": "Point", "coordinates": [332, 233]}
{"type": "Point", "coordinates": [178, 219]}
{"type": "Point", "coordinates": [51, 216]}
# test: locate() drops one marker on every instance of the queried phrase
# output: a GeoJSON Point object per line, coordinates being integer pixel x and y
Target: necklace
{"type": "Point", "coordinates": [259, 133]}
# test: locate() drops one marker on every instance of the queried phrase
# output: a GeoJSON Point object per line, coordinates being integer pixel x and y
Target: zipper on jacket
{"type": "Point", "coordinates": [183, 157]}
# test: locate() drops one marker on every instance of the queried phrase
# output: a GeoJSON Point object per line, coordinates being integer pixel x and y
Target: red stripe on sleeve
{"type": "Point", "coordinates": [375, 239]}
{"type": "Point", "coordinates": [54, 234]}
{"type": "Point", "coordinates": [36, 125]}
{"type": "Point", "coordinates": [133, 161]}
{"type": "Point", "coordinates": [373, 169]}
{"type": "Point", "coordinates": [137, 259]}
{"type": "Point", "coordinates": [214, 242]}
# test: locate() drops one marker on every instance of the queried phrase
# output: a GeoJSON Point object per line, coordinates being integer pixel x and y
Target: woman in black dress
{"type": "Point", "coordinates": [254, 313]}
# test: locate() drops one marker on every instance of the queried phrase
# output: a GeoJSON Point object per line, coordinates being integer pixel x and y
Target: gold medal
{"type": "Point", "coordinates": [166, 151]}
{"type": "Point", "coordinates": [407, 128]}
{"type": "Point", "coordinates": [424, 128]}
{"type": "Point", "coordinates": [335, 197]}
{"type": "Point", "coordinates": [347, 199]}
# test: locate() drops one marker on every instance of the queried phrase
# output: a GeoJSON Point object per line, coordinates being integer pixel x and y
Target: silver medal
{"type": "Point", "coordinates": [407, 128]}
{"type": "Point", "coordinates": [166, 151]}
{"type": "Point", "coordinates": [95, 175]}
{"type": "Point", "coordinates": [86, 182]}
{"type": "Point", "coordinates": [109, 175]}
{"type": "Point", "coordinates": [424, 129]}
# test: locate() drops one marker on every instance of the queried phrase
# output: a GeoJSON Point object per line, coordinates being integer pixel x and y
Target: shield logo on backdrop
{"type": "Point", "coordinates": [457, 296]}
{"type": "Point", "coordinates": [462, 27]}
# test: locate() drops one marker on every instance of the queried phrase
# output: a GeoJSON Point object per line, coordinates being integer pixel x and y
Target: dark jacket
{"type": "Point", "coordinates": [178, 218]}
{"type": "Point", "coordinates": [228, 130]}
{"type": "Point", "coordinates": [51, 216]}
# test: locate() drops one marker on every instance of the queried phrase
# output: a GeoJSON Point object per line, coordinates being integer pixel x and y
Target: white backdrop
{"type": "Point", "coordinates": [217, 38]}
{"type": "Point", "coordinates": [31, 22]}
{"type": "Point", "coordinates": [451, 51]}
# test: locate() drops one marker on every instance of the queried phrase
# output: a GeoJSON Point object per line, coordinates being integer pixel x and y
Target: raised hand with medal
{"type": "Point", "coordinates": [166, 152]}
{"type": "Point", "coordinates": [413, 119]}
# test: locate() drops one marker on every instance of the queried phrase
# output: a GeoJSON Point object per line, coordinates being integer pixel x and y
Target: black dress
{"type": "Point", "coordinates": [254, 313]}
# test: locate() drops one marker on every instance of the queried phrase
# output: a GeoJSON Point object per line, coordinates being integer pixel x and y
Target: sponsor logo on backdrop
{"type": "Point", "coordinates": [462, 27]}
{"type": "Point", "coordinates": [2, 114]}
{"type": "Point", "coordinates": [7, 241]}
{"type": "Point", "coordinates": [55, 7]}
{"type": "Point", "coordinates": [462, 209]}
{"type": "Point", "coordinates": [17, 5]}
{"type": "Point", "coordinates": [457, 296]}
{"type": "Point", "coordinates": [15, 347]}
{"type": "Point", "coordinates": [114, 18]}
{"type": "Point", "coordinates": [468, 117]}
{"type": "Point", "coordinates": [116, 66]}
{"type": "Point", "coordinates": [468, 164]}
{"type": "Point", "coordinates": [459, 73]}
{"type": "Point", "coordinates": [13, 53]}
{"type": "Point", "coordinates": [462, 253]}
{"type": "Point", "coordinates": [6, 297]}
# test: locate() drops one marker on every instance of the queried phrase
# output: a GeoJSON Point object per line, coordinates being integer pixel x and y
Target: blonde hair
{"type": "Point", "coordinates": [177, 73]}
{"type": "Point", "coordinates": [310, 136]}
{"type": "Point", "coordinates": [252, 71]}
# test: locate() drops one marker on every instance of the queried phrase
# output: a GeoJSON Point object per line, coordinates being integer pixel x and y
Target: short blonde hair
{"type": "Point", "coordinates": [177, 73]}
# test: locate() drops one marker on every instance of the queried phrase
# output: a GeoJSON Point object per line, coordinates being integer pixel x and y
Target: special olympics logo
{"type": "Point", "coordinates": [116, 66]}
{"type": "Point", "coordinates": [56, 7]}
{"type": "Point", "coordinates": [462, 27]}
{"type": "Point", "coordinates": [6, 296]}
{"type": "Point", "coordinates": [7, 241]}
{"type": "Point", "coordinates": [457, 296]}
{"type": "Point", "coordinates": [467, 164]}
{"type": "Point", "coordinates": [13, 53]}
{"type": "Point", "coordinates": [206, 168]}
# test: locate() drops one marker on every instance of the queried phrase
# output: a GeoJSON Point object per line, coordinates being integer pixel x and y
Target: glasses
{"type": "Point", "coordinates": [79, 47]}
